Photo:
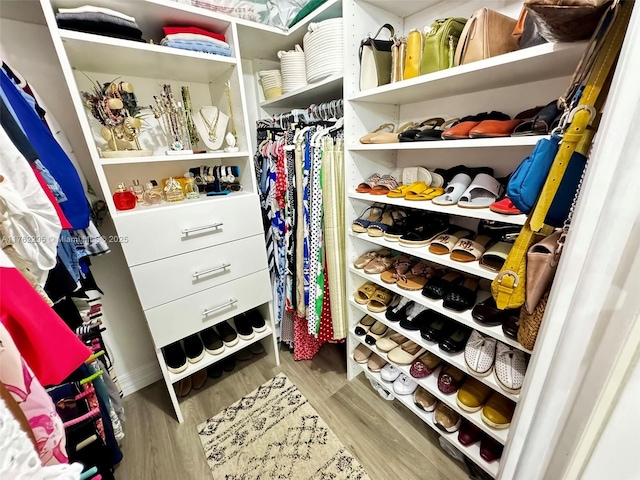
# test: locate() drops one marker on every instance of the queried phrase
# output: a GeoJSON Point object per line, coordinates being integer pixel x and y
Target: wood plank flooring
{"type": "Point", "coordinates": [388, 440]}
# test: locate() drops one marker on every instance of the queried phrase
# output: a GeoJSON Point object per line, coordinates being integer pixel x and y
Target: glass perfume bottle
{"type": "Point", "coordinates": [173, 191]}
{"type": "Point", "coordinates": [191, 190]}
{"type": "Point", "coordinates": [151, 195]}
{"type": "Point", "coordinates": [137, 190]}
{"type": "Point", "coordinates": [124, 199]}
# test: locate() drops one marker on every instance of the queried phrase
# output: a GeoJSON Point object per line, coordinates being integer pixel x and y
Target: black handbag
{"type": "Point", "coordinates": [375, 59]}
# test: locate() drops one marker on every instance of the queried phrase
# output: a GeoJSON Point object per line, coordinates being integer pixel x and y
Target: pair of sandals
{"type": "Point", "coordinates": [456, 292]}
{"type": "Point", "coordinates": [381, 218]}
{"type": "Point", "coordinates": [375, 298]}
{"type": "Point", "coordinates": [387, 133]}
{"type": "Point", "coordinates": [481, 192]}
{"type": "Point", "coordinates": [419, 183]}
{"type": "Point", "coordinates": [377, 184]}
{"type": "Point", "coordinates": [409, 275]}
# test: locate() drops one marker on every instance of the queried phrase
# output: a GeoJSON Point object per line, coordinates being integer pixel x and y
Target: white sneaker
{"type": "Point", "coordinates": [511, 367]}
{"type": "Point", "coordinates": [479, 354]}
{"type": "Point", "coordinates": [404, 385]}
{"type": "Point", "coordinates": [389, 373]}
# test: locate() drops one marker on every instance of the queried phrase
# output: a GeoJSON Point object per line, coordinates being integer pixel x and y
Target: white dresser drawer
{"type": "Point", "coordinates": [172, 230]}
{"type": "Point", "coordinates": [175, 277]}
{"type": "Point", "coordinates": [180, 318]}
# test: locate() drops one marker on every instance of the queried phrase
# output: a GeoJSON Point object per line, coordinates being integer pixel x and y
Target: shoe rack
{"type": "Point", "coordinates": [194, 263]}
{"type": "Point", "coordinates": [509, 83]}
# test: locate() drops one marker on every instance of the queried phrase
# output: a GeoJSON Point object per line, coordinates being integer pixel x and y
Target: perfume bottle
{"type": "Point", "coordinates": [137, 190]}
{"type": "Point", "coordinates": [191, 190]}
{"type": "Point", "coordinates": [151, 195]}
{"type": "Point", "coordinates": [124, 199]}
{"type": "Point", "coordinates": [173, 191]}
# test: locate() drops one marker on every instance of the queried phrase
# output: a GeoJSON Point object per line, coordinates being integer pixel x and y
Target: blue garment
{"type": "Point", "coordinates": [51, 154]}
{"type": "Point", "coordinates": [68, 255]}
{"type": "Point", "coordinates": [51, 182]}
{"type": "Point", "coordinates": [197, 46]}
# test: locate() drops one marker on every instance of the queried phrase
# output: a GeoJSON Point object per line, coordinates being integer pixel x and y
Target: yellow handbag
{"type": "Point", "coordinates": [595, 72]}
{"type": "Point", "coordinates": [414, 54]}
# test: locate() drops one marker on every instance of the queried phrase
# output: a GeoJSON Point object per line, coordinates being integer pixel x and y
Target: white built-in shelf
{"type": "Point", "coordinates": [194, 157]}
{"type": "Point", "coordinates": [144, 209]}
{"type": "Point", "coordinates": [524, 141]}
{"type": "Point", "coordinates": [430, 384]}
{"type": "Point", "coordinates": [472, 451]}
{"type": "Point", "coordinates": [323, 91]}
{"type": "Point", "coordinates": [403, 8]}
{"type": "Point", "coordinates": [472, 268]}
{"type": "Point", "coordinates": [455, 359]}
{"type": "Point", "coordinates": [262, 41]}
{"type": "Point", "coordinates": [464, 318]}
{"type": "Point", "coordinates": [428, 205]}
{"type": "Point", "coordinates": [100, 54]}
{"type": "Point", "coordinates": [209, 359]}
{"type": "Point", "coordinates": [550, 60]}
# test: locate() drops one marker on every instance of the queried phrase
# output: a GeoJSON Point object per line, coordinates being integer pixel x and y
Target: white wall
{"type": "Point", "coordinates": [28, 48]}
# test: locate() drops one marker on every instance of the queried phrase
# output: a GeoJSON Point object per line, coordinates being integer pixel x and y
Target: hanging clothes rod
{"type": "Point", "coordinates": [322, 112]}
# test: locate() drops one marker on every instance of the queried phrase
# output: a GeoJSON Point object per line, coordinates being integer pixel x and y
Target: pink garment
{"type": "Point", "coordinates": [305, 345]}
{"type": "Point", "coordinates": [45, 342]}
{"type": "Point", "coordinates": [63, 219]}
{"type": "Point", "coordinates": [34, 401]}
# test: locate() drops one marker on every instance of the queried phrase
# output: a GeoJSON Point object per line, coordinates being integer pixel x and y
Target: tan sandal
{"type": "Point", "coordinates": [379, 264]}
{"type": "Point", "coordinates": [365, 293]}
{"type": "Point", "coordinates": [390, 341]}
{"type": "Point", "coordinates": [467, 250]}
{"type": "Point", "coordinates": [361, 354]}
{"type": "Point", "coordinates": [392, 137]}
{"type": "Point", "coordinates": [380, 300]}
{"type": "Point", "coordinates": [365, 258]}
{"type": "Point", "coordinates": [444, 243]}
{"type": "Point", "coordinates": [417, 278]}
{"type": "Point", "coordinates": [387, 126]}
{"type": "Point", "coordinates": [401, 265]}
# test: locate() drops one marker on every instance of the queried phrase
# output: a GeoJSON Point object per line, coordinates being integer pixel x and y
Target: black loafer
{"type": "Point", "coordinates": [461, 297]}
{"type": "Point", "coordinates": [456, 340]}
{"type": "Point", "coordinates": [436, 288]}
{"type": "Point", "coordinates": [510, 326]}
{"type": "Point", "coordinates": [193, 348]}
{"type": "Point", "coordinates": [213, 344]}
{"type": "Point", "coordinates": [416, 317]}
{"type": "Point", "coordinates": [175, 357]}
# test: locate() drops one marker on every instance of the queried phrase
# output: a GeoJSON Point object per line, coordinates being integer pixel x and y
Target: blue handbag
{"type": "Point", "coordinates": [528, 179]}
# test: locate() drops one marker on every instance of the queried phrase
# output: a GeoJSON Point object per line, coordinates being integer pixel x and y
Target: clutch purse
{"type": "Point", "coordinates": [485, 35]}
{"type": "Point", "coordinates": [375, 59]}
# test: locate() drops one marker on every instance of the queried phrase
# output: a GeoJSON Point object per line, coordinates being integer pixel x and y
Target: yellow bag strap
{"type": "Point", "coordinates": [574, 138]}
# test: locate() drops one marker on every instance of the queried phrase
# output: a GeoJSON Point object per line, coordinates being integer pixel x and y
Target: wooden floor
{"type": "Point", "coordinates": [388, 440]}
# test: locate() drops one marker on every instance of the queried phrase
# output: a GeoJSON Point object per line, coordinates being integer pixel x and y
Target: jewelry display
{"type": "Point", "coordinates": [115, 106]}
{"type": "Point", "coordinates": [232, 136]}
{"type": "Point", "coordinates": [211, 124]}
{"type": "Point", "coordinates": [188, 109]}
{"type": "Point", "coordinates": [174, 121]}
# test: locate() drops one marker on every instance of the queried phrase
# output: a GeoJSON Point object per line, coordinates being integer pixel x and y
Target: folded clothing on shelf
{"type": "Point", "coordinates": [197, 46]}
{"type": "Point", "coordinates": [98, 22]}
{"type": "Point", "coordinates": [194, 30]}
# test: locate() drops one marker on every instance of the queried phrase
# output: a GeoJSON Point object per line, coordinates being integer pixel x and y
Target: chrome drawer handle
{"type": "Point", "coordinates": [187, 231]}
{"type": "Point", "coordinates": [210, 270]}
{"type": "Point", "coordinates": [219, 307]}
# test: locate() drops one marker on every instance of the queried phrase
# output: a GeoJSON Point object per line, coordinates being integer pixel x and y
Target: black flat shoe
{"type": "Point", "coordinates": [415, 318]}
{"type": "Point", "coordinates": [436, 288]}
{"type": "Point", "coordinates": [461, 297]}
{"type": "Point", "coordinates": [435, 327]}
{"type": "Point", "coordinates": [398, 312]}
{"type": "Point", "coordinates": [456, 340]}
{"type": "Point", "coordinates": [422, 235]}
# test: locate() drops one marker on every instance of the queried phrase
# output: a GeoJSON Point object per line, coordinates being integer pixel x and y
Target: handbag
{"type": "Point", "coordinates": [529, 323]}
{"type": "Point", "coordinates": [398, 57]}
{"type": "Point", "coordinates": [439, 45]}
{"type": "Point", "coordinates": [566, 20]}
{"type": "Point", "coordinates": [486, 34]}
{"type": "Point", "coordinates": [542, 263]}
{"type": "Point", "coordinates": [508, 288]}
{"type": "Point", "coordinates": [526, 31]}
{"type": "Point", "coordinates": [414, 54]}
{"type": "Point", "coordinates": [375, 60]}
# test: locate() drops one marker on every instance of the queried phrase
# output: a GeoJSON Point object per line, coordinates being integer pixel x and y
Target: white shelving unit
{"type": "Point", "coordinates": [194, 245]}
{"type": "Point", "coordinates": [327, 89]}
{"type": "Point", "coordinates": [510, 83]}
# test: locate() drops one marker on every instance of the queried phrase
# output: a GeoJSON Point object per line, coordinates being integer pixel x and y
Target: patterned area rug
{"type": "Point", "coordinates": [274, 433]}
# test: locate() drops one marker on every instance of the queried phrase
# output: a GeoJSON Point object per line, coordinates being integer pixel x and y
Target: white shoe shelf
{"type": "Point", "coordinates": [509, 83]}
{"type": "Point", "coordinates": [472, 451]}
{"type": "Point", "coordinates": [430, 384]}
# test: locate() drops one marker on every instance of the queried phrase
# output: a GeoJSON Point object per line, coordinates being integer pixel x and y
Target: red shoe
{"type": "Point", "coordinates": [490, 450]}
{"type": "Point", "coordinates": [505, 207]}
{"type": "Point", "coordinates": [469, 434]}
